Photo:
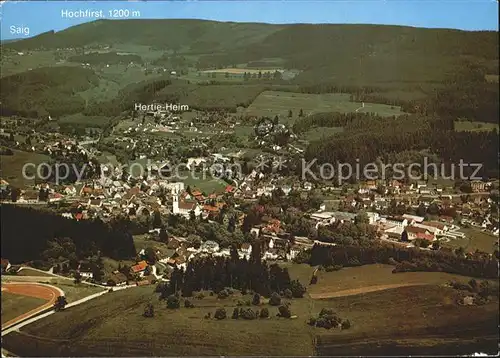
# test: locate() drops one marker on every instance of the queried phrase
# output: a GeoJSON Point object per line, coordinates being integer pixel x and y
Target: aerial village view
{"type": "Point", "coordinates": [207, 178]}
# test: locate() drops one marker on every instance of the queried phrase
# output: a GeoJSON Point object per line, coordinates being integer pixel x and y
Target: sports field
{"type": "Point", "coordinates": [271, 103]}
{"type": "Point", "coordinates": [72, 291]}
{"type": "Point", "coordinates": [21, 300]}
{"type": "Point", "coordinates": [14, 305]}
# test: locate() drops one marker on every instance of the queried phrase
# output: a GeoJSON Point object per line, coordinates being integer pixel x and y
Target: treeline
{"type": "Point", "coordinates": [369, 140]}
{"type": "Point", "coordinates": [46, 90]}
{"type": "Point", "coordinates": [217, 273]}
{"type": "Point", "coordinates": [28, 233]}
{"type": "Point", "coordinates": [331, 119]}
{"type": "Point", "coordinates": [96, 58]}
{"type": "Point", "coordinates": [404, 259]}
{"type": "Point", "coordinates": [145, 92]}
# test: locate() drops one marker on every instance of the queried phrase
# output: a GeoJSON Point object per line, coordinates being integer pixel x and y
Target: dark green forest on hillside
{"type": "Point", "coordinates": [348, 54]}
{"type": "Point", "coordinates": [48, 231]}
{"type": "Point", "coordinates": [142, 92]}
{"type": "Point", "coordinates": [377, 138]}
{"type": "Point", "coordinates": [46, 90]}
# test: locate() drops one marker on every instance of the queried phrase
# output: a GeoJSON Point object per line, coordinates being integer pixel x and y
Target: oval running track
{"type": "Point", "coordinates": [38, 290]}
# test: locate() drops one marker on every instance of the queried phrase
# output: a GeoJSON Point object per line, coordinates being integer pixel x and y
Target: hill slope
{"type": "Point", "coordinates": [347, 54]}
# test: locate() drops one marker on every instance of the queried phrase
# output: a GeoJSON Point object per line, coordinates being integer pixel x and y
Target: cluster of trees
{"type": "Point", "coordinates": [328, 320]}
{"type": "Point", "coordinates": [51, 238]}
{"type": "Point", "coordinates": [78, 167]}
{"type": "Point", "coordinates": [405, 259]}
{"type": "Point", "coordinates": [483, 289]}
{"type": "Point", "coordinates": [216, 273]}
{"type": "Point", "coordinates": [348, 234]}
{"type": "Point", "coordinates": [250, 314]}
{"type": "Point", "coordinates": [267, 75]}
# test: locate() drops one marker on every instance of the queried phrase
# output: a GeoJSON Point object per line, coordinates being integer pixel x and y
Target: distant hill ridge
{"type": "Point", "coordinates": [288, 38]}
{"type": "Point", "coordinates": [344, 53]}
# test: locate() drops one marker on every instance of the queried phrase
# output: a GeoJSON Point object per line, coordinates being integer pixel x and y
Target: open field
{"type": "Point", "coordinates": [27, 271]}
{"type": "Point", "coordinates": [367, 278]}
{"type": "Point", "coordinates": [407, 319]}
{"type": "Point", "coordinates": [14, 305]}
{"type": "Point", "coordinates": [475, 240]}
{"type": "Point", "coordinates": [11, 167]}
{"type": "Point", "coordinates": [491, 78]}
{"type": "Point", "coordinates": [100, 330]}
{"type": "Point", "coordinates": [44, 295]}
{"type": "Point", "coordinates": [234, 70]}
{"type": "Point", "coordinates": [410, 320]}
{"type": "Point", "coordinates": [15, 63]}
{"type": "Point", "coordinates": [480, 240]}
{"type": "Point", "coordinates": [466, 126]}
{"type": "Point", "coordinates": [270, 103]}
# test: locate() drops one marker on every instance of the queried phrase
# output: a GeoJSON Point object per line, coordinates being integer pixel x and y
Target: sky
{"type": "Point", "coordinates": [42, 16]}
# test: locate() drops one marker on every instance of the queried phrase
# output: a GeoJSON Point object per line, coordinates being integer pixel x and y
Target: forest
{"type": "Point", "coordinates": [374, 139]}
{"type": "Point", "coordinates": [46, 90]}
{"type": "Point", "coordinates": [142, 92]}
{"type": "Point", "coordinates": [217, 273]}
{"type": "Point", "coordinates": [33, 235]}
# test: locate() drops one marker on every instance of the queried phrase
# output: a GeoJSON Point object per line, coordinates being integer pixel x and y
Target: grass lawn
{"type": "Point", "coordinates": [30, 272]}
{"type": "Point", "coordinates": [204, 183]}
{"type": "Point", "coordinates": [15, 305]}
{"type": "Point", "coordinates": [475, 240]}
{"type": "Point", "coordinates": [425, 319]}
{"type": "Point", "coordinates": [467, 126]}
{"type": "Point", "coordinates": [480, 240]}
{"type": "Point", "coordinates": [75, 292]}
{"type": "Point", "coordinates": [351, 280]}
{"type": "Point", "coordinates": [418, 320]}
{"type": "Point", "coordinates": [142, 242]}
{"type": "Point", "coordinates": [11, 167]}
{"type": "Point", "coordinates": [491, 78]}
{"type": "Point", "coordinates": [271, 103]}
